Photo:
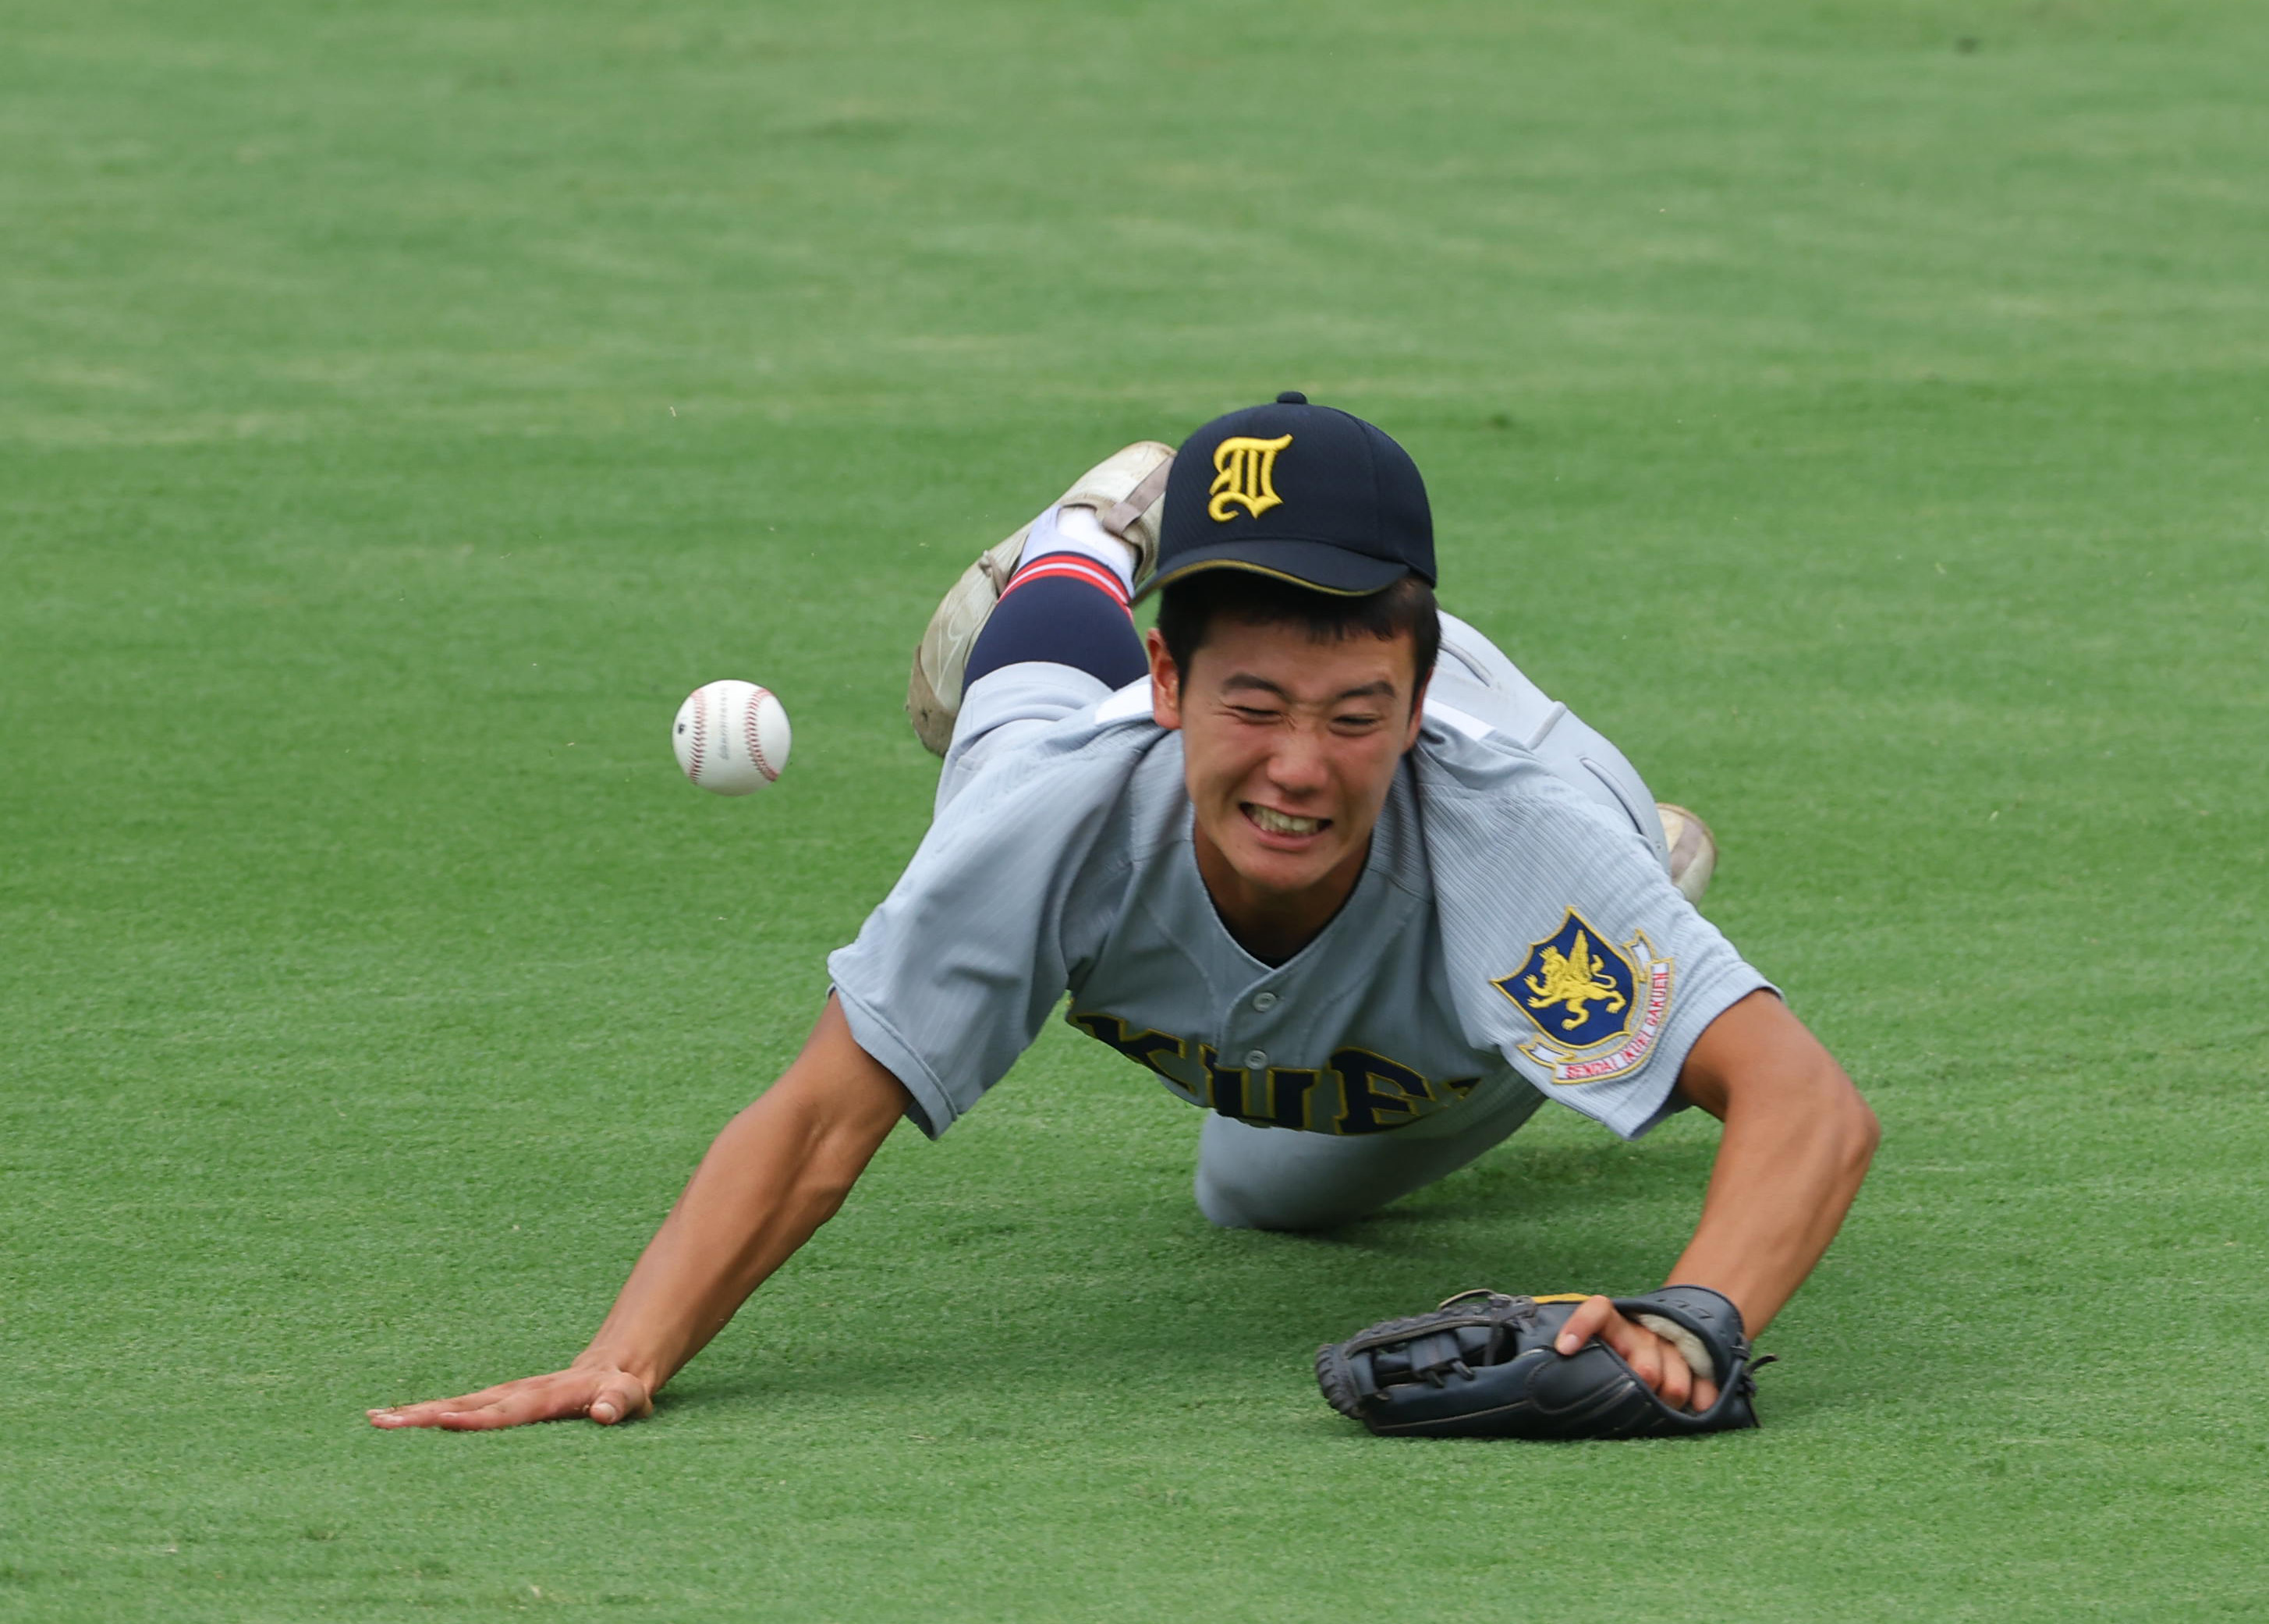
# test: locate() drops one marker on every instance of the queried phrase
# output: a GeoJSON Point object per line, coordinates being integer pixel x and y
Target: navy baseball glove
{"type": "Point", "coordinates": [1482, 1366]}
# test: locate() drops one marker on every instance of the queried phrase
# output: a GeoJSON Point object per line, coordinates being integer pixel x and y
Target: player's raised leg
{"type": "Point", "coordinates": [1110, 517]}
{"type": "Point", "coordinates": [1693, 849]}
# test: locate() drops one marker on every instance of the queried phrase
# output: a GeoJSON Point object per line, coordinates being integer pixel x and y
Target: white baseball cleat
{"type": "Point", "coordinates": [1126, 489]}
{"type": "Point", "coordinates": [1693, 849]}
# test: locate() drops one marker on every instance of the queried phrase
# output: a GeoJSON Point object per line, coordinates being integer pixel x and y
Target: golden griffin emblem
{"type": "Point", "coordinates": [1573, 980]}
{"type": "Point", "coordinates": [1597, 1008]}
{"type": "Point", "coordinates": [1242, 470]}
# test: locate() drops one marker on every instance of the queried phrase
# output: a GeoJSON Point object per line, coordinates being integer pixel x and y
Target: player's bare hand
{"type": "Point", "coordinates": [604, 1393]}
{"type": "Point", "coordinates": [1654, 1360]}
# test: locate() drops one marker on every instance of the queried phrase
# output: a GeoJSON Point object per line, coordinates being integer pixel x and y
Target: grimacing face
{"type": "Point", "coordinates": [1290, 748]}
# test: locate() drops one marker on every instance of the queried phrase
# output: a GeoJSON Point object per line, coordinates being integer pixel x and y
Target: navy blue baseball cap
{"type": "Point", "coordinates": [1308, 494]}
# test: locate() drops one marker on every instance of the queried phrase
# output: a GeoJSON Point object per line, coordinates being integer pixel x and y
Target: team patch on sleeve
{"type": "Point", "coordinates": [1599, 1008]}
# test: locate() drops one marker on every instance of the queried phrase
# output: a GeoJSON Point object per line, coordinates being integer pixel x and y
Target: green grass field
{"type": "Point", "coordinates": [1855, 409]}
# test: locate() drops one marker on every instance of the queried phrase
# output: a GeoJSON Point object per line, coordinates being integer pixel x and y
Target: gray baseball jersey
{"type": "Point", "coordinates": [1508, 934]}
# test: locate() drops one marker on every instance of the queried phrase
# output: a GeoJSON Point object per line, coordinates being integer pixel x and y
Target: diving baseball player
{"type": "Point", "coordinates": [1321, 859]}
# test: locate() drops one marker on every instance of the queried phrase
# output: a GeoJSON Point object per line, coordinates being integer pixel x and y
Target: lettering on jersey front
{"type": "Point", "coordinates": [1146, 1048]}
{"type": "Point", "coordinates": [1244, 474]}
{"type": "Point", "coordinates": [1226, 1085]}
{"type": "Point", "coordinates": [1285, 1093]}
{"type": "Point", "coordinates": [1359, 1092]}
{"type": "Point", "coordinates": [1598, 1008]}
{"type": "Point", "coordinates": [1278, 1096]}
{"type": "Point", "coordinates": [1377, 1094]}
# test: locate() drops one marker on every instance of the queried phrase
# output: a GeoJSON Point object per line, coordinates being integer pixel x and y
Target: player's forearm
{"type": "Point", "coordinates": [750, 1205]}
{"type": "Point", "coordinates": [778, 1170]}
{"type": "Point", "coordinates": [1791, 1162]}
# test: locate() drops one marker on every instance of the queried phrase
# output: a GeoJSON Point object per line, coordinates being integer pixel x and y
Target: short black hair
{"type": "Point", "coordinates": [1188, 606]}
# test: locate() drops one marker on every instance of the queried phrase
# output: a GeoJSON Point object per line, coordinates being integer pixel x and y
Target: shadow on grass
{"type": "Point", "coordinates": [1092, 1295]}
{"type": "Point", "coordinates": [1113, 1301]}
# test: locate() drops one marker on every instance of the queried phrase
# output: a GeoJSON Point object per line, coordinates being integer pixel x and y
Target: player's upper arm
{"type": "Point", "coordinates": [837, 1088]}
{"type": "Point", "coordinates": [956, 972]}
{"type": "Point", "coordinates": [1758, 1055]}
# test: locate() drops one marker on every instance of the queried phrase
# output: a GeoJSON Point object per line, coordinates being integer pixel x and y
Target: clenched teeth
{"type": "Point", "coordinates": [1283, 823]}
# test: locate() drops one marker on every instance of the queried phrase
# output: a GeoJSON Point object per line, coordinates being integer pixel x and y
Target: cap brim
{"type": "Point", "coordinates": [1319, 566]}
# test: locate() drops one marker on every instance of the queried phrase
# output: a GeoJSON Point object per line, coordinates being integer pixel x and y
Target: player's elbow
{"type": "Point", "coordinates": [1855, 1128]}
{"type": "Point", "coordinates": [1829, 1124]}
{"type": "Point", "coordinates": [1870, 1127]}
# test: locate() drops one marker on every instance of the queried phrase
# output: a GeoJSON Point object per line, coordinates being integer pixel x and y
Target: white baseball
{"type": "Point", "coordinates": [731, 737]}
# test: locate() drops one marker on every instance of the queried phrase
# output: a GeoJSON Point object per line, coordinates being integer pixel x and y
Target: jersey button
{"type": "Point", "coordinates": [1264, 1001]}
{"type": "Point", "coordinates": [1256, 1058]}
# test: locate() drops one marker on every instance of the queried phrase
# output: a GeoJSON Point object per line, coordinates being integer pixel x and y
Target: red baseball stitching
{"type": "Point", "coordinates": [700, 732]}
{"type": "Point", "coordinates": [751, 719]}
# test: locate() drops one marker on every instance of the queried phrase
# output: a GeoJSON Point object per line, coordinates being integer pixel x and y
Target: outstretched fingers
{"type": "Point", "coordinates": [605, 1396]}
{"type": "Point", "coordinates": [429, 1413]}
{"type": "Point", "coordinates": [512, 1410]}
